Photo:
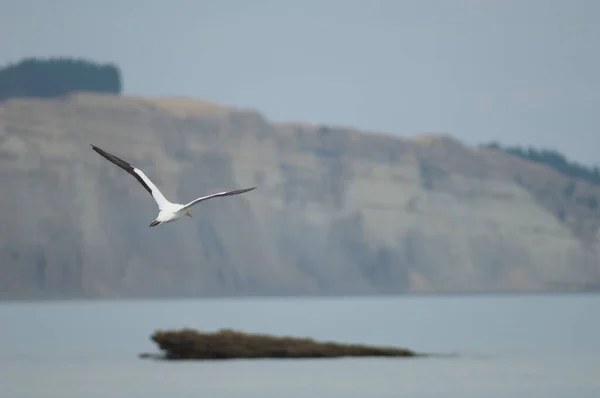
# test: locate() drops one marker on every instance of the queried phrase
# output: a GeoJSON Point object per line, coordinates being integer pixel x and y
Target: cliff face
{"type": "Point", "coordinates": [336, 211]}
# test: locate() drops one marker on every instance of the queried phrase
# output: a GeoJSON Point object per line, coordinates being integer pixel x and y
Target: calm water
{"type": "Point", "coordinates": [509, 346]}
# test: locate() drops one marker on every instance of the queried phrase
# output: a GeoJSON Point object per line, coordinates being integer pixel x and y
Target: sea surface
{"type": "Point", "coordinates": [526, 346]}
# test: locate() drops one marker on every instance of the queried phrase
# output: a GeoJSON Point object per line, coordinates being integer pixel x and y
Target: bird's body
{"type": "Point", "coordinates": [175, 213]}
{"type": "Point", "coordinates": [168, 211]}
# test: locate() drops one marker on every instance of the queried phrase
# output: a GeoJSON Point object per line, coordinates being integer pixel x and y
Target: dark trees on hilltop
{"type": "Point", "coordinates": [554, 159]}
{"type": "Point", "coordinates": [56, 77]}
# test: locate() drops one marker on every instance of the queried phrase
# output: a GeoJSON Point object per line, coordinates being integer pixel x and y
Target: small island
{"type": "Point", "coordinates": [189, 344]}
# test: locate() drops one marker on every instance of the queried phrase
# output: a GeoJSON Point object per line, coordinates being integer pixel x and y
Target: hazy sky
{"type": "Point", "coordinates": [520, 72]}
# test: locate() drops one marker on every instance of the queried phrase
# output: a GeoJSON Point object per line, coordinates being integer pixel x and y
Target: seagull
{"type": "Point", "coordinates": [168, 211]}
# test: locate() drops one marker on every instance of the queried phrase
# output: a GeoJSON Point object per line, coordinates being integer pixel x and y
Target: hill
{"type": "Point", "coordinates": [337, 211]}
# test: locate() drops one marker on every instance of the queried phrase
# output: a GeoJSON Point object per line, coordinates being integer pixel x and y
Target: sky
{"type": "Point", "coordinates": [521, 72]}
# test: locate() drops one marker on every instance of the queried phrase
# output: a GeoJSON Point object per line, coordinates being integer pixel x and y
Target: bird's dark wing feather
{"type": "Point", "coordinates": [124, 165]}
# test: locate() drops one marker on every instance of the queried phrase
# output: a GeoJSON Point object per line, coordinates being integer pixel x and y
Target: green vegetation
{"type": "Point", "coordinates": [229, 344]}
{"type": "Point", "coordinates": [56, 77]}
{"type": "Point", "coordinates": [554, 159]}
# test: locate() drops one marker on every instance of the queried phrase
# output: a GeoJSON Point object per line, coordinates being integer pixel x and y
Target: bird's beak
{"type": "Point", "coordinates": [187, 212]}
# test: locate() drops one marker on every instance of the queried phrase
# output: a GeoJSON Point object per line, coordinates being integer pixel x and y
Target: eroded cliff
{"type": "Point", "coordinates": [337, 211]}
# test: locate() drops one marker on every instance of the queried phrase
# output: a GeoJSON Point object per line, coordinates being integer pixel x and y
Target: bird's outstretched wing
{"type": "Point", "coordinates": [216, 195]}
{"type": "Point", "coordinates": [139, 175]}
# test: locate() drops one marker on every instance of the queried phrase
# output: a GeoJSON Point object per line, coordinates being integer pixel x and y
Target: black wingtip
{"type": "Point", "coordinates": [247, 190]}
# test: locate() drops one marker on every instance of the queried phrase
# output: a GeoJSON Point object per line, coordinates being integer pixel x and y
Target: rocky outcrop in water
{"type": "Point", "coordinates": [186, 344]}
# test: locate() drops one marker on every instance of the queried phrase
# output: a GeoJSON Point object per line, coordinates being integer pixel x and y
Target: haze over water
{"type": "Point", "coordinates": [508, 346]}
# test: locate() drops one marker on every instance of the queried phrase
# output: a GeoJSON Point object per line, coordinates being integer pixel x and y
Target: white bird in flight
{"type": "Point", "coordinates": [168, 211]}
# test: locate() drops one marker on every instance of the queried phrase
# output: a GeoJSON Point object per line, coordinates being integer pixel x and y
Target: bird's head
{"type": "Point", "coordinates": [188, 212]}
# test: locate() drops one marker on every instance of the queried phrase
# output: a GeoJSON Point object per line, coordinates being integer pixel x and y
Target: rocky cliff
{"type": "Point", "coordinates": [336, 211]}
